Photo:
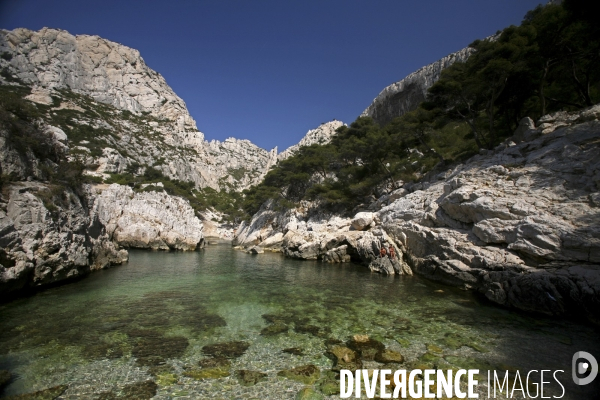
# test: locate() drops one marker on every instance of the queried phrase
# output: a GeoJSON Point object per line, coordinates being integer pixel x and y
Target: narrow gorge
{"type": "Point", "coordinates": [454, 225]}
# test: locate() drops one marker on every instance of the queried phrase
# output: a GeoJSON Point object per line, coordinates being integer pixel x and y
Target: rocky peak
{"type": "Point", "coordinates": [106, 100]}
{"type": "Point", "coordinates": [109, 72]}
{"type": "Point", "coordinates": [405, 95]}
{"type": "Point", "coordinates": [320, 135]}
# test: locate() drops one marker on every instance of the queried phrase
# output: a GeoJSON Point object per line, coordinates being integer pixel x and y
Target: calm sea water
{"type": "Point", "coordinates": [147, 323]}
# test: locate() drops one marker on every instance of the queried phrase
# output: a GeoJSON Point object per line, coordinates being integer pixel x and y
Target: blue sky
{"type": "Point", "coordinates": [269, 71]}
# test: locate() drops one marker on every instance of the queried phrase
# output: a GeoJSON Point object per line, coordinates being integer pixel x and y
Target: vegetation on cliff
{"type": "Point", "coordinates": [548, 63]}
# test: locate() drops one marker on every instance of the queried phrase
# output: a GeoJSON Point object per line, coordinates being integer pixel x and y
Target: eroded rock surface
{"type": "Point", "coordinates": [136, 117]}
{"type": "Point", "coordinates": [47, 240]}
{"type": "Point", "coordinates": [153, 220]}
{"type": "Point", "coordinates": [520, 223]}
{"type": "Point", "coordinates": [405, 95]}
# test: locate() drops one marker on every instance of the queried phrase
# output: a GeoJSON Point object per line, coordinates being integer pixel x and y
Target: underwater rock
{"type": "Point", "coordinates": [293, 350]}
{"type": "Point", "coordinates": [389, 356]}
{"type": "Point", "coordinates": [207, 373]}
{"type": "Point", "coordinates": [214, 362]}
{"type": "Point", "coordinates": [139, 391]}
{"type": "Point", "coordinates": [167, 379]}
{"type": "Point", "coordinates": [367, 348]}
{"type": "Point", "coordinates": [307, 374]}
{"type": "Point", "coordinates": [156, 350]}
{"type": "Point", "coordinates": [226, 349]}
{"type": "Point", "coordinates": [308, 394]}
{"type": "Point", "coordinates": [344, 358]}
{"type": "Point", "coordinates": [204, 322]}
{"type": "Point", "coordinates": [309, 329]}
{"type": "Point", "coordinates": [434, 349]}
{"type": "Point", "coordinates": [250, 378]}
{"type": "Point", "coordinates": [274, 329]}
{"type": "Point", "coordinates": [46, 394]}
{"type": "Point", "coordinates": [329, 387]}
{"type": "Point", "coordinates": [103, 350]}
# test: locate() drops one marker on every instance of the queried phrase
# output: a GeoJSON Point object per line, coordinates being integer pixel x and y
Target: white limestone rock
{"type": "Point", "coordinates": [159, 132]}
{"type": "Point", "coordinates": [320, 135]}
{"type": "Point", "coordinates": [405, 95]}
{"type": "Point", "coordinates": [362, 220]}
{"type": "Point", "coordinates": [49, 246]}
{"type": "Point", "coordinates": [152, 220]}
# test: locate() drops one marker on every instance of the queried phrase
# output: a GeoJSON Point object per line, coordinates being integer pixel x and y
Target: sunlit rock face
{"type": "Point", "coordinates": [153, 220]}
{"type": "Point", "coordinates": [405, 95]}
{"type": "Point", "coordinates": [320, 135]}
{"type": "Point", "coordinates": [519, 224]}
{"type": "Point", "coordinates": [134, 112]}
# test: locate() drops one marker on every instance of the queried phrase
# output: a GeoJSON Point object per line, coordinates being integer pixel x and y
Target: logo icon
{"type": "Point", "coordinates": [583, 362]}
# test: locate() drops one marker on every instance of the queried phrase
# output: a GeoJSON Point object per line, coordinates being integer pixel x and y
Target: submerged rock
{"type": "Point", "coordinates": [227, 349]}
{"type": "Point", "coordinates": [46, 394]}
{"type": "Point", "coordinates": [139, 391]}
{"type": "Point", "coordinates": [214, 362]}
{"type": "Point", "coordinates": [367, 349]}
{"type": "Point", "coordinates": [387, 356]}
{"type": "Point", "coordinates": [208, 373]}
{"type": "Point", "coordinates": [307, 374]}
{"type": "Point", "coordinates": [250, 378]}
{"type": "Point", "coordinates": [344, 358]}
{"type": "Point", "coordinates": [308, 394]}
{"type": "Point", "coordinates": [294, 350]}
{"type": "Point", "coordinates": [274, 329]}
{"type": "Point", "coordinates": [155, 350]}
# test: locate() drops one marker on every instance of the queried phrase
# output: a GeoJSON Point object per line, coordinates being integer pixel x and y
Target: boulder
{"type": "Point", "coordinates": [362, 220]}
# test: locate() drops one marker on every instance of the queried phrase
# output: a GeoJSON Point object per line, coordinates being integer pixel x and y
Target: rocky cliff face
{"type": "Point", "coordinates": [405, 95]}
{"type": "Point", "coordinates": [320, 135]}
{"type": "Point", "coordinates": [151, 220]}
{"type": "Point", "coordinates": [117, 112]}
{"type": "Point", "coordinates": [49, 243]}
{"type": "Point", "coordinates": [519, 224]}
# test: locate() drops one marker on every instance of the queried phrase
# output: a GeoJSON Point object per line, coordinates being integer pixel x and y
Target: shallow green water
{"type": "Point", "coordinates": [150, 319]}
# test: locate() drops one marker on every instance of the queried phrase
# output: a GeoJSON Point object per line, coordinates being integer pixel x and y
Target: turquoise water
{"type": "Point", "coordinates": [143, 327]}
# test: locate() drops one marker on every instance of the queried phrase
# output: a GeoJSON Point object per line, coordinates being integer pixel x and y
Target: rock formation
{"type": "Point", "coordinates": [519, 224]}
{"type": "Point", "coordinates": [152, 220]}
{"type": "Point", "coordinates": [405, 95]}
{"type": "Point", "coordinates": [118, 112]}
{"type": "Point", "coordinates": [43, 244]}
{"type": "Point", "coordinates": [320, 135]}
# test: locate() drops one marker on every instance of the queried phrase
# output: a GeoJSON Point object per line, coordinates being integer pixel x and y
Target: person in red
{"type": "Point", "coordinates": [382, 252]}
{"type": "Point", "coordinates": [392, 253]}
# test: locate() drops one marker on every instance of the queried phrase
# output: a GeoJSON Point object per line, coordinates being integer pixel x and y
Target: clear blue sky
{"type": "Point", "coordinates": [269, 71]}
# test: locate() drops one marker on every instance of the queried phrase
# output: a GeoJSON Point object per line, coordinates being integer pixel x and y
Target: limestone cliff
{"type": "Point", "coordinates": [44, 241]}
{"type": "Point", "coordinates": [119, 113]}
{"type": "Point", "coordinates": [153, 220]}
{"type": "Point", "coordinates": [405, 95]}
{"type": "Point", "coordinates": [519, 224]}
{"type": "Point", "coordinates": [320, 135]}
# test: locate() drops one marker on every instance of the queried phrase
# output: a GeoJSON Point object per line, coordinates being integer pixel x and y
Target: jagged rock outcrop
{"type": "Point", "coordinates": [153, 220]}
{"type": "Point", "coordinates": [320, 135]}
{"type": "Point", "coordinates": [45, 242]}
{"type": "Point", "coordinates": [118, 112]}
{"type": "Point", "coordinates": [405, 95]}
{"type": "Point", "coordinates": [309, 234]}
{"type": "Point", "coordinates": [519, 224]}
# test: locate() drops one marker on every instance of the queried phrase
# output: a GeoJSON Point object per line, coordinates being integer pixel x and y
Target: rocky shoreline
{"type": "Point", "coordinates": [519, 224]}
{"type": "Point", "coordinates": [46, 243]}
